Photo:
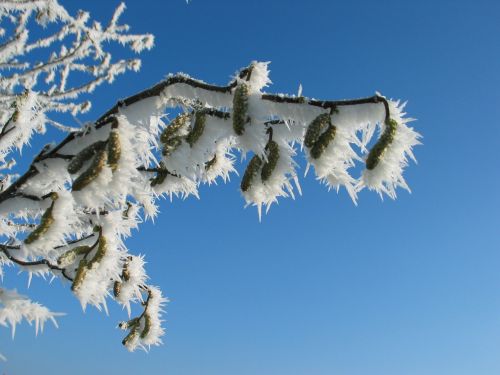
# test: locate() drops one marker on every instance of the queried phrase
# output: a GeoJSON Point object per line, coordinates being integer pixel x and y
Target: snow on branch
{"type": "Point", "coordinates": [81, 198]}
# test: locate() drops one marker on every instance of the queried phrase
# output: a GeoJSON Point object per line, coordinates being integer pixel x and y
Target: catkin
{"type": "Point", "coordinates": [170, 136]}
{"type": "Point", "coordinates": [92, 172]}
{"type": "Point", "coordinates": [315, 129]}
{"type": "Point", "coordinates": [240, 109]}
{"type": "Point", "coordinates": [173, 128]}
{"type": "Point", "coordinates": [117, 286]}
{"type": "Point", "coordinates": [69, 256]}
{"type": "Point", "coordinates": [85, 265]}
{"type": "Point", "coordinates": [80, 275]}
{"type": "Point", "coordinates": [273, 154]}
{"type": "Point", "coordinates": [100, 253]}
{"type": "Point", "coordinates": [114, 149]}
{"type": "Point", "coordinates": [147, 326]}
{"type": "Point", "coordinates": [250, 173]}
{"type": "Point", "coordinates": [129, 323]}
{"type": "Point", "coordinates": [323, 141]}
{"type": "Point", "coordinates": [379, 149]}
{"type": "Point", "coordinates": [134, 330]}
{"type": "Point", "coordinates": [45, 222]}
{"type": "Point", "coordinates": [79, 159]}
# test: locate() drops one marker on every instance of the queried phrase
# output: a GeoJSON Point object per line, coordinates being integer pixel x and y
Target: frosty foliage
{"type": "Point", "coordinates": [69, 214]}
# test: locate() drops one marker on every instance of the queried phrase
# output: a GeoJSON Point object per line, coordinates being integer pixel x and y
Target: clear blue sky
{"type": "Point", "coordinates": [320, 287]}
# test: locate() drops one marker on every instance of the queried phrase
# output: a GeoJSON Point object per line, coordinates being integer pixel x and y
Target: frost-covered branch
{"type": "Point", "coordinates": [87, 193]}
{"type": "Point", "coordinates": [35, 84]}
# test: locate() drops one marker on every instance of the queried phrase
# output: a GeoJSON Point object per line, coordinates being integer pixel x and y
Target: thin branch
{"type": "Point", "coordinates": [67, 58]}
{"type": "Point", "coordinates": [76, 241]}
{"type": "Point", "coordinates": [41, 262]}
{"type": "Point", "coordinates": [328, 104]}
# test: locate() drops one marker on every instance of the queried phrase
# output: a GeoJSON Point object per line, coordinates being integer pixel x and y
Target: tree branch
{"type": "Point", "coordinates": [156, 90]}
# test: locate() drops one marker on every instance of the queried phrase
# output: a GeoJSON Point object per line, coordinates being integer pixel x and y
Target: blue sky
{"type": "Point", "coordinates": [321, 287]}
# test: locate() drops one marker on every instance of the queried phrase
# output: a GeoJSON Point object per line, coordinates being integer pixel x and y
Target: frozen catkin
{"type": "Point", "coordinates": [85, 155]}
{"type": "Point", "coordinates": [252, 170]}
{"type": "Point", "coordinates": [273, 155]}
{"type": "Point", "coordinates": [146, 329]}
{"type": "Point", "coordinates": [45, 222]}
{"type": "Point", "coordinates": [172, 136]}
{"type": "Point", "coordinates": [90, 174]}
{"type": "Point", "coordinates": [328, 147]}
{"type": "Point", "coordinates": [315, 128]}
{"type": "Point", "coordinates": [240, 108]}
{"type": "Point", "coordinates": [387, 159]}
{"type": "Point", "coordinates": [114, 149]}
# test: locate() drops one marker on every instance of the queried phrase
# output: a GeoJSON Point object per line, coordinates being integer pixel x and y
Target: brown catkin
{"type": "Point", "coordinates": [240, 108]}
{"type": "Point", "coordinates": [92, 172]}
{"type": "Point", "coordinates": [100, 253]}
{"type": "Point", "coordinates": [323, 141]}
{"type": "Point", "coordinates": [379, 149]}
{"type": "Point", "coordinates": [147, 326]}
{"type": "Point", "coordinates": [88, 152]}
{"type": "Point", "coordinates": [175, 125]}
{"type": "Point", "coordinates": [170, 136]}
{"type": "Point", "coordinates": [80, 275]}
{"type": "Point", "coordinates": [69, 256]}
{"type": "Point", "coordinates": [273, 155]}
{"type": "Point", "coordinates": [250, 173]}
{"type": "Point", "coordinates": [134, 331]}
{"type": "Point", "coordinates": [45, 222]}
{"type": "Point", "coordinates": [114, 149]}
{"type": "Point", "coordinates": [315, 129]}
